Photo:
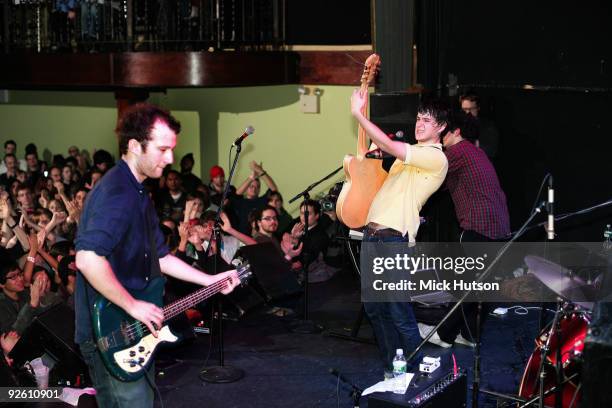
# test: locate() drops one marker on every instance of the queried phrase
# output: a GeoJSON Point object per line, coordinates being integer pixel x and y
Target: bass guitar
{"type": "Point", "coordinates": [364, 177]}
{"type": "Point", "coordinates": [126, 345]}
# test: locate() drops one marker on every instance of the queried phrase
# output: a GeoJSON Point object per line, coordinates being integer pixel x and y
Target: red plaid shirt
{"type": "Point", "coordinates": [480, 203]}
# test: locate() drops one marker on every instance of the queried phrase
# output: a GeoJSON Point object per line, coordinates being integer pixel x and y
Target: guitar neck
{"type": "Point", "coordinates": [362, 140]}
{"type": "Point", "coordinates": [179, 306]}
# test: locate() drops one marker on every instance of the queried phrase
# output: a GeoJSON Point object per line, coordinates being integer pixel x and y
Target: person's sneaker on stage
{"type": "Point", "coordinates": [424, 330]}
{"type": "Point", "coordinates": [463, 341]}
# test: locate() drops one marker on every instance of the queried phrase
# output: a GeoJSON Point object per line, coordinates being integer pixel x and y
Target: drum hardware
{"type": "Point", "coordinates": [558, 359]}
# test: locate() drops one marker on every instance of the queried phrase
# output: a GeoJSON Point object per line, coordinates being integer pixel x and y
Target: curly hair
{"type": "Point", "coordinates": [138, 121]}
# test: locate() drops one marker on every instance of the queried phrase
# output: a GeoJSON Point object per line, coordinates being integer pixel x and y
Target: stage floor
{"type": "Point", "coordinates": [284, 369]}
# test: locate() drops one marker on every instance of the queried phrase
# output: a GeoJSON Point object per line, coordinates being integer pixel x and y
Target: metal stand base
{"type": "Point", "coordinates": [305, 327]}
{"type": "Point", "coordinates": [221, 374]}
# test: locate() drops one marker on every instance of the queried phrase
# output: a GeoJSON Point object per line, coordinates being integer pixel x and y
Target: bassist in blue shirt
{"type": "Point", "coordinates": [121, 253]}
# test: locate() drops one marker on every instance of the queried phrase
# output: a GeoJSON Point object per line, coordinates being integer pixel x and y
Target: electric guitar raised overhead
{"type": "Point", "coordinates": [364, 177]}
{"type": "Point", "coordinates": [126, 344]}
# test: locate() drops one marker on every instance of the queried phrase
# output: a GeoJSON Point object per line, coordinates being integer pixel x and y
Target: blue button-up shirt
{"type": "Point", "coordinates": [114, 225]}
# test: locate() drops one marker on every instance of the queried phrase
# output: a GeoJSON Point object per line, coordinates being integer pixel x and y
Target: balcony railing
{"type": "Point", "coordinates": [49, 26]}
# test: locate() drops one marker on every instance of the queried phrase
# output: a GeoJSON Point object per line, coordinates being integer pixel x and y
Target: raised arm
{"type": "Point", "coordinates": [378, 137]}
{"type": "Point", "coordinates": [227, 227]}
{"type": "Point", "coordinates": [261, 173]}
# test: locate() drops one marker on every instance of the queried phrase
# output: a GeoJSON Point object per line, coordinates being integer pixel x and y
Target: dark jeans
{"type": "Point", "coordinates": [114, 393]}
{"type": "Point", "coordinates": [464, 319]}
{"type": "Point", "coordinates": [393, 323]}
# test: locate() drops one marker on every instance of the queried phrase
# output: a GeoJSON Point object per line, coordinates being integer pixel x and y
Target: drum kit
{"type": "Point", "coordinates": [554, 368]}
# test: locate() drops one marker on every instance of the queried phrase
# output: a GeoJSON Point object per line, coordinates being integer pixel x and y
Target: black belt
{"type": "Point", "coordinates": [383, 232]}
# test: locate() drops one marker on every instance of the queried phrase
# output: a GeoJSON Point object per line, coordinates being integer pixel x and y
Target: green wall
{"type": "Point", "coordinates": [296, 148]}
{"type": "Point", "coordinates": [53, 128]}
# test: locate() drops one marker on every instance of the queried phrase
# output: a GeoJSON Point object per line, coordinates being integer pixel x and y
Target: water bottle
{"type": "Point", "coordinates": [607, 244]}
{"type": "Point", "coordinates": [399, 368]}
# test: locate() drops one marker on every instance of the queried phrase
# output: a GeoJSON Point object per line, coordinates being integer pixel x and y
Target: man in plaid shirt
{"type": "Point", "coordinates": [480, 206]}
{"type": "Point", "coordinates": [480, 203]}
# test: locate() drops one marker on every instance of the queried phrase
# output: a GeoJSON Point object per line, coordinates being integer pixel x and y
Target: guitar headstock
{"type": "Point", "coordinates": [244, 272]}
{"type": "Point", "coordinates": [370, 69]}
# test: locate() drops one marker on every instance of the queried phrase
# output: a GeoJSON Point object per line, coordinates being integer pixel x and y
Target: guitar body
{"type": "Point", "coordinates": [124, 346]}
{"type": "Point", "coordinates": [364, 177]}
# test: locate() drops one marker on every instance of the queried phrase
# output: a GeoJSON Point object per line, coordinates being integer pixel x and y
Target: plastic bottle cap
{"type": "Point", "coordinates": [400, 352]}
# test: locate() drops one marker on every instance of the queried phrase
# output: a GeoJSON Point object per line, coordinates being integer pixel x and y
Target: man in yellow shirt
{"type": "Point", "coordinates": [419, 170]}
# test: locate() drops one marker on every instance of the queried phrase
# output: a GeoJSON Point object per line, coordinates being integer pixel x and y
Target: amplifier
{"type": "Point", "coordinates": [441, 389]}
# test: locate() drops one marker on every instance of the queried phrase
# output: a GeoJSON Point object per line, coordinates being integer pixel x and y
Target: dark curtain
{"type": "Point", "coordinates": [434, 25]}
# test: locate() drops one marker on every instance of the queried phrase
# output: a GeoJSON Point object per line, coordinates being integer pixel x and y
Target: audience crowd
{"type": "Point", "coordinates": [41, 203]}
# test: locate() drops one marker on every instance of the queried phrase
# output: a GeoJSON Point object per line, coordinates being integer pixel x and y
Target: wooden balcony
{"type": "Point", "coordinates": [157, 70]}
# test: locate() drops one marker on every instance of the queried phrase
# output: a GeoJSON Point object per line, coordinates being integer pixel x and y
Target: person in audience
{"type": "Point", "coordinates": [18, 304]}
{"type": "Point", "coordinates": [232, 239]}
{"type": "Point", "coordinates": [189, 181]}
{"type": "Point", "coordinates": [172, 200]}
{"type": "Point", "coordinates": [34, 170]}
{"type": "Point", "coordinates": [103, 160]}
{"type": "Point", "coordinates": [216, 184]}
{"type": "Point", "coordinates": [275, 199]}
{"type": "Point", "coordinates": [10, 147]}
{"type": "Point", "coordinates": [25, 201]}
{"type": "Point", "coordinates": [267, 225]}
{"type": "Point", "coordinates": [10, 171]}
{"type": "Point", "coordinates": [247, 196]}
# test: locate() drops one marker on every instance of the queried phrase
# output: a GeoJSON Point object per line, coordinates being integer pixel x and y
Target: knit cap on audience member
{"type": "Point", "coordinates": [216, 171]}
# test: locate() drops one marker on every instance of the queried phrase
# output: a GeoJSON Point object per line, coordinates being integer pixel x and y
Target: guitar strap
{"type": "Point", "coordinates": [154, 270]}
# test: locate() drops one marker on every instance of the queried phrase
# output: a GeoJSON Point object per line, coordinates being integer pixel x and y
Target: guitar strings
{"type": "Point", "coordinates": [175, 307]}
{"type": "Point", "coordinates": [140, 326]}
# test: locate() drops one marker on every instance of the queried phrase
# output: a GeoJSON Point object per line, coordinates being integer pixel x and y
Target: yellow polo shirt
{"type": "Point", "coordinates": [407, 187]}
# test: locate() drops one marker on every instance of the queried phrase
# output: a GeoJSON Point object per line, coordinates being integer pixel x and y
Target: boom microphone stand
{"type": "Point", "coordinates": [483, 276]}
{"type": "Point", "coordinates": [223, 373]}
{"type": "Point", "coordinates": [306, 326]}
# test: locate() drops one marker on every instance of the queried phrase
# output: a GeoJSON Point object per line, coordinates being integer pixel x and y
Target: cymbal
{"type": "Point", "coordinates": [561, 280]}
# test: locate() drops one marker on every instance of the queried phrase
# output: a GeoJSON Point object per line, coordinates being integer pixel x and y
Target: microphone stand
{"type": "Point", "coordinates": [476, 381]}
{"type": "Point", "coordinates": [221, 373]}
{"type": "Point", "coordinates": [306, 326]}
{"type": "Point", "coordinates": [355, 393]}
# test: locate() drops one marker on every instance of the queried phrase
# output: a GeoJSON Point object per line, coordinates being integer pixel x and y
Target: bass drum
{"type": "Point", "coordinates": [573, 332]}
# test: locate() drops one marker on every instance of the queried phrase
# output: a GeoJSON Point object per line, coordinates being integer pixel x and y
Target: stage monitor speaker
{"type": "Point", "coordinates": [273, 274]}
{"type": "Point", "coordinates": [52, 332]}
{"type": "Point", "coordinates": [597, 365]}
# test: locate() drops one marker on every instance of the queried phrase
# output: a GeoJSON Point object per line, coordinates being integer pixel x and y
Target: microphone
{"type": "Point", "coordinates": [550, 227]}
{"type": "Point", "coordinates": [397, 135]}
{"type": "Point", "coordinates": [248, 131]}
{"type": "Point", "coordinates": [377, 154]}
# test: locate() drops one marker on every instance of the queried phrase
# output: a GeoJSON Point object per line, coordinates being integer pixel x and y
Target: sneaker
{"type": "Point", "coordinates": [463, 341]}
{"type": "Point", "coordinates": [424, 330]}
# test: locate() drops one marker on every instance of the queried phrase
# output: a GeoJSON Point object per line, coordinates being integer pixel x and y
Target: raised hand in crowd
{"type": "Point", "coordinates": [37, 289]}
{"type": "Point", "coordinates": [287, 246]}
{"type": "Point", "coordinates": [195, 236]}
{"type": "Point", "coordinates": [59, 186]}
{"type": "Point", "coordinates": [183, 231]}
{"type": "Point", "coordinates": [74, 211]}
{"type": "Point", "coordinates": [257, 168]}
{"type": "Point", "coordinates": [296, 232]}
{"type": "Point", "coordinates": [189, 210]}
{"type": "Point", "coordinates": [7, 342]}
{"type": "Point", "coordinates": [43, 201]}
{"type": "Point", "coordinates": [227, 227]}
